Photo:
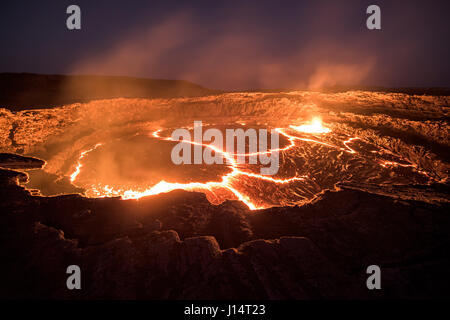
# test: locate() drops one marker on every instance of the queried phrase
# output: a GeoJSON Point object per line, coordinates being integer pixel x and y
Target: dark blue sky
{"type": "Point", "coordinates": [232, 44]}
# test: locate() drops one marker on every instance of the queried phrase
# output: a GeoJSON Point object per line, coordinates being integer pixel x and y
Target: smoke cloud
{"type": "Point", "coordinates": [179, 47]}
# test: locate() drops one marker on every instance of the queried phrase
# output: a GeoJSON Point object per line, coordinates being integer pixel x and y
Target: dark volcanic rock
{"type": "Point", "coordinates": [19, 91]}
{"type": "Point", "coordinates": [15, 161]}
{"type": "Point", "coordinates": [179, 246]}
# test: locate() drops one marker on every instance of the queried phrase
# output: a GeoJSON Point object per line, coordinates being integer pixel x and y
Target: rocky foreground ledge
{"type": "Point", "coordinates": [179, 246]}
{"type": "Point", "coordinates": [15, 161]}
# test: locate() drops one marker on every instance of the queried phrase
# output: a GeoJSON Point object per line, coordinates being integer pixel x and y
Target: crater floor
{"type": "Point", "coordinates": [371, 189]}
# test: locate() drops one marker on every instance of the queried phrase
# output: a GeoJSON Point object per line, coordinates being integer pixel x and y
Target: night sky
{"type": "Point", "coordinates": [233, 44]}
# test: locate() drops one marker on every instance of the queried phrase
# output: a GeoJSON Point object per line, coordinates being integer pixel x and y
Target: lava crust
{"type": "Point", "coordinates": [91, 184]}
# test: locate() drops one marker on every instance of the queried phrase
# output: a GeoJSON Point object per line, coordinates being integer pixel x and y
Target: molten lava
{"type": "Point", "coordinates": [232, 184]}
{"type": "Point", "coordinates": [77, 171]}
{"type": "Point", "coordinates": [349, 147]}
{"type": "Point", "coordinates": [314, 127]}
{"type": "Point", "coordinates": [226, 182]}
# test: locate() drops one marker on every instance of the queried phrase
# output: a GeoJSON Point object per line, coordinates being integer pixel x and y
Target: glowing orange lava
{"type": "Point", "coordinates": [227, 179]}
{"type": "Point", "coordinates": [386, 164]}
{"type": "Point", "coordinates": [315, 127]}
{"type": "Point", "coordinates": [225, 183]}
{"type": "Point", "coordinates": [213, 188]}
{"type": "Point", "coordinates": [77, 171]}
{"type": "Point", "coordinates": [163, 186]}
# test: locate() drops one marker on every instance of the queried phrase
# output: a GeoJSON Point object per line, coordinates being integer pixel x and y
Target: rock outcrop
{"type": "Point", "coordinates": [164, 247]}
